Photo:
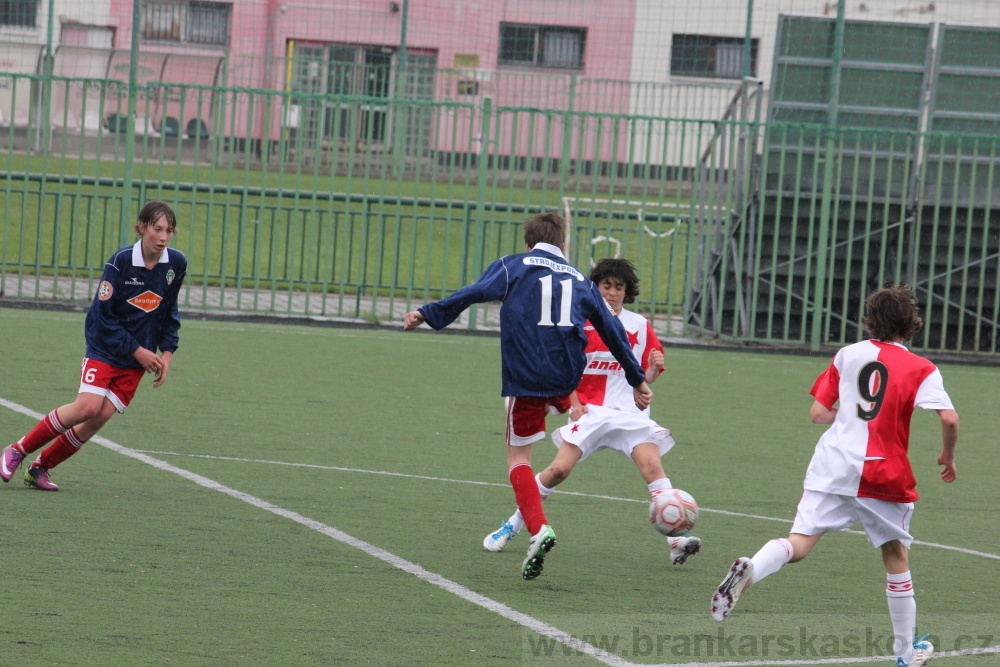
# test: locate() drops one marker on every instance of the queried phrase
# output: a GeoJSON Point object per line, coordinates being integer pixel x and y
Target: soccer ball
{"type": "Point", "coordinates": [673, 512]}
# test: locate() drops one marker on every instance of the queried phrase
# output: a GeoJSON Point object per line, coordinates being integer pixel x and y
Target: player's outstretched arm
{"type": "Point", "coordinates": [643, 396]}
{"type": "Point", "coordinates": [412, 320]}
{"type": "Point", "coordinates": [949, 437]}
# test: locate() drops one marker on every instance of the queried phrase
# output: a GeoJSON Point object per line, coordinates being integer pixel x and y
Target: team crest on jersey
{"type": "Point", "coordinates": [170, 276]}
{"type": "Point", "coordinates": [147, 301]}
{"type": "Point", "coordinates": [105, 290]}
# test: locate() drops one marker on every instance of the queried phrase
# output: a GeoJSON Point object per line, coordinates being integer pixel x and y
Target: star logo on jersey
{"type": "Point", "coordinates": [576, 427]}
{"type": "Point", "coordinates": [633, 338]}
{"type": "Point", "coordinates": [147, 301]}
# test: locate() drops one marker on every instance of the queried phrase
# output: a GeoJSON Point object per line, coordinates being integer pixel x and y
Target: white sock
{"type": "Point", "coordinates": [659, 485]}
{"type": "Point", "coordinates": [516, 521]}
{"type": "Point", "coordinates": [771, 558]}
{"type": "Point", "coordinates": [903, 612]}
{"type": "Point", "coordinates": [542, 489]}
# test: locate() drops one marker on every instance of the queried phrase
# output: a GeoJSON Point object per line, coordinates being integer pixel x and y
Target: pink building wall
{"type": "Point", "coordinates": [261, 30]}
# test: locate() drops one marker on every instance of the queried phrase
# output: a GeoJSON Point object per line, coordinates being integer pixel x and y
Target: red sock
{"type": "Point", "coordinates": [529, 500]}
{"type": "Point", "coordinates": [44, 431]}
{"type": "Point", "coordinates": [65, 446]}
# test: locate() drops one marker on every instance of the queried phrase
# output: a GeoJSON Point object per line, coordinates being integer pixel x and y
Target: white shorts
{"type": "Point", "coordinates": [604, 428]}
{"type": "Point", "coordinates": [882, 520]}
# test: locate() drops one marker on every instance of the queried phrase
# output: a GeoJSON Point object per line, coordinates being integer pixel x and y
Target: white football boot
{"type": "Point", "coordinates": [732, 587]}
{"type": "Point", "coordinates": [682, 547]}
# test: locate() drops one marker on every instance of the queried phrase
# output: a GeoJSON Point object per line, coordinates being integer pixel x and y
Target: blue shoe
{"type": "Point", "coordinates": [498, 540]}
{"type": "Point", "coordinates": [922, 652]}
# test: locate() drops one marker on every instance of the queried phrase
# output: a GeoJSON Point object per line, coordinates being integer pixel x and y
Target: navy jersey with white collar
{"type": "Point", "coordinates": [546, 302]}
{"type": "Point", "coordinates": [135, 306]}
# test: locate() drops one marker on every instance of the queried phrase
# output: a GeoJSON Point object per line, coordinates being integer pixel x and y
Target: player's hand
{"type": "Point", "coordinates": [655, 365]}
{"type": "Point", "coordinates": [413, 319]}
{"type": "Point", "coordinates": [643, 396]}
{"type": "Point", "coordinates": [161, 377]}
{"type": "Point", "coordinates": [149, 361]}
{"type": "Point", "coordinates": [950, 473]}
{"type": "Point", "coordinates": [577, 411]}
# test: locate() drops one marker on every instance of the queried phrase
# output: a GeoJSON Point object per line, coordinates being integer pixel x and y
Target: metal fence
{"type": "Point", "coordinates": [742, 227]}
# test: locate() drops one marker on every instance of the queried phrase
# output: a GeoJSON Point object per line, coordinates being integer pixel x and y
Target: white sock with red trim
{"type": "Point", "coordinates": [771, 558]}
{"type": "Point", "coordinates": [903, 612]}
{"type": "Point", "coordinates": [658, 486]}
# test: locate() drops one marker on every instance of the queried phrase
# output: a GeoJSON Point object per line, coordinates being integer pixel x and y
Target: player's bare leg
{"type": "Point", "coordinates": [647, 459]}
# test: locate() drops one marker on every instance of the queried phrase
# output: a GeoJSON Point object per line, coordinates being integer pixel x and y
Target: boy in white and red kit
{"type": "Point", "coordinates": [860, 471]}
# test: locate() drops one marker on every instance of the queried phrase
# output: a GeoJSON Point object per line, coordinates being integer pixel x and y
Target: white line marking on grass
{"type": "Point", "coordinates": [467, 594]}
{"type": "Point", "coordinates": [744, 515]}
{"type": "Point", "coordinates": [825, 661]}
{"type": "Point", "coordinates": [455, 588]}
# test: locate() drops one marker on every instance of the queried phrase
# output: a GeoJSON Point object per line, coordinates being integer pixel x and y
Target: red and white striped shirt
{"type": "Point", "coordinates": [864, 452]}
{"type": "Point", "coordinates": [603, 381]}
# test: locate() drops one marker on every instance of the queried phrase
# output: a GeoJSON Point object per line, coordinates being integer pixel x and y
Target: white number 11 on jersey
{"type": "Point", "coordinates": [565, 303]}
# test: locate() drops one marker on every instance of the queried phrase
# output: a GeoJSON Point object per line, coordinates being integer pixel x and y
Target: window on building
{"type": "Point", "coordinates": [203, 23]}
{"type": "Point", "coordinates": [208, 23]}
{"type": "Point", "coordinates": [542, 46]}
{"type": "Point", "coordinates": [710, 57]}
{"type": "Point", "coordinates": [18, 13]}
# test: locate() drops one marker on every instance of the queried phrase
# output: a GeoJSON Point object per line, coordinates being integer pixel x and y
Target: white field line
{"type": "Point", "coordinates": [455, 588]}
{"type": "Point", "coordinates": [744, 515]}
{"type": "Point", "coordinates": [489, 604]}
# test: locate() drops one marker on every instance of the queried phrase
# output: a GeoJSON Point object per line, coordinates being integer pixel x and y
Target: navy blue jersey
{"type": "Point", "coordinates": [135, 306]}
{"type": "Point", "coordinates": [545, 305]}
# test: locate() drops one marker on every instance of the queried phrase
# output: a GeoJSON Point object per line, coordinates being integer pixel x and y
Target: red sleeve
{"type": "Point", "coordinates": [826, 389]}
{"type": "Point", "coordinates": [652, 343]}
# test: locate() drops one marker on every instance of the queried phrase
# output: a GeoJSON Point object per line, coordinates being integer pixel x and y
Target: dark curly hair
{"type": "Point", "coordinates": [620, 269]}
{"type": "Point", "coordinates": [891, 313]}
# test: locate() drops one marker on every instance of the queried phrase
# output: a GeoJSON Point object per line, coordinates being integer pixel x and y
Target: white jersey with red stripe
{"type": "Point", "coordinates": [864, 452]}
{"type": "Point", "coordinates": [603, 381]}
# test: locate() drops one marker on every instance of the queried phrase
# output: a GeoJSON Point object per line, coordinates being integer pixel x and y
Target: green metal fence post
{"type": "Point", "coordinates": [829, 166]}
{"type": "Point", "coordinates": [479, 235]}
{"type": "Point", "coordinates": [45, 126]}
{"type": "Point", "coordinates": [133, 94]}
{"type": "Point", "coordinates": [748, 42]}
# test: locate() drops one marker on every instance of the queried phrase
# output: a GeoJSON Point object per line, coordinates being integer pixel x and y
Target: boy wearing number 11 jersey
{"type": "Point", "coordinates": [546, 303]}
{"type": "Point", "coordinates": [860, 470]}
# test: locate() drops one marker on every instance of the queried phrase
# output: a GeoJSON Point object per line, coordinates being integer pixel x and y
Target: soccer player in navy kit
{"type": "Point", "coordinates": [546, 302]}
{"type": "Point", "coordinates": [134, 314]}
{"type": "Point", "coordinates": [860, 470]}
